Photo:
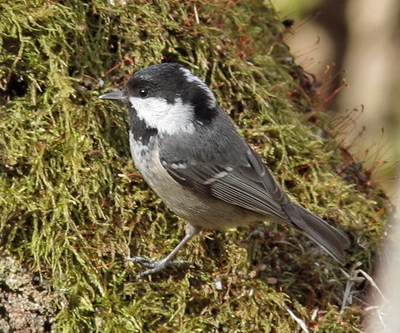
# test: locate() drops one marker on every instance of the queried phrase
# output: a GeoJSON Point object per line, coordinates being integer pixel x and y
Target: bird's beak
{"type": "Point", "coordinates": [115, 95]}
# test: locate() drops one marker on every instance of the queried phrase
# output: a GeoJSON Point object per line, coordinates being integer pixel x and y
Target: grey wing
{"type": "Point", "coordinates": [251, 186]}
{"type": "Point", "coordinates": [248, 185]}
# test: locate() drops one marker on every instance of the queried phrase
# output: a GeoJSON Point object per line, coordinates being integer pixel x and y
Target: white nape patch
{"type": "Point", "coordinates": [166, 118]}
{"type": "Point", "coordinates": [190, 77]}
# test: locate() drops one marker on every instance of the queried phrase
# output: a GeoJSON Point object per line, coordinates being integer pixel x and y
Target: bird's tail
{"type": "Point", "coordinates": [332, 240]}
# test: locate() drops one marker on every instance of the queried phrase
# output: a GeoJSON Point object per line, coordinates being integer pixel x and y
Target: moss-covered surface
{"type": "Point", "coordinates": [72, 206]}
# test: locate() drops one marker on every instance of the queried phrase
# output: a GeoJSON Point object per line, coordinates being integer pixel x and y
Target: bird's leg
{"type": "Point", "coordinates": [158, 265]}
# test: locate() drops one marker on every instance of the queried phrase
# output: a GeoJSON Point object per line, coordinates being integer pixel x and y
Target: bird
{"type": "Point", "coordinates": [190, 153]}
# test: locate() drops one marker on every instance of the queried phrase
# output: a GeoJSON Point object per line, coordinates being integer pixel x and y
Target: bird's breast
{"type": "Point", "coordinates": [196, 208]}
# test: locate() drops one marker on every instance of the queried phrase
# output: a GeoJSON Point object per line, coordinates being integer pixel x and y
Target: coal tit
{"type": "Point", "coordinates": [188, 150]}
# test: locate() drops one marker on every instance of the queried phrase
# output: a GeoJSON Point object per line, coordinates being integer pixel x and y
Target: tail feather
{"type": "Point", "coordinates": [332, 240]}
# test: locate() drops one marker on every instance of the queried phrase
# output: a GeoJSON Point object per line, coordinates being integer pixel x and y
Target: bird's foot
{"type": "Point", "coordinates": [155, 265]}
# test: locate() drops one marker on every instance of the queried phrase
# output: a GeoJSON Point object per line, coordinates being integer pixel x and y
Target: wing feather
{"type": "Point", "coordinates": [245, 182]}
{"type": "Point", "coordinates": [247, 185]}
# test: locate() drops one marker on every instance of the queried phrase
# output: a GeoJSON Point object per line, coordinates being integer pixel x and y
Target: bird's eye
{"type": "Point", "coordinates": [143, 92]}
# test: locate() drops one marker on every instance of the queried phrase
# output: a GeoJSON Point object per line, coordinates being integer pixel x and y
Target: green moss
{"type": "Point", "coordinates": [72, 206]}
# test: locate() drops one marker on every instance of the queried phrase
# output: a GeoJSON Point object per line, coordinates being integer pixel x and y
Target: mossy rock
{"type": "Point", "coordinates": [73, 207]}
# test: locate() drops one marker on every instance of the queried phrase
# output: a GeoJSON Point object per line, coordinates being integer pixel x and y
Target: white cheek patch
{"type": "Point", "coordinates": [166, 118]}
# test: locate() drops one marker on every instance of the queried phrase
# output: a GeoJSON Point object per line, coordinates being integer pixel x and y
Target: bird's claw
{"type": "Point", "coordinates": [155, 265]}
